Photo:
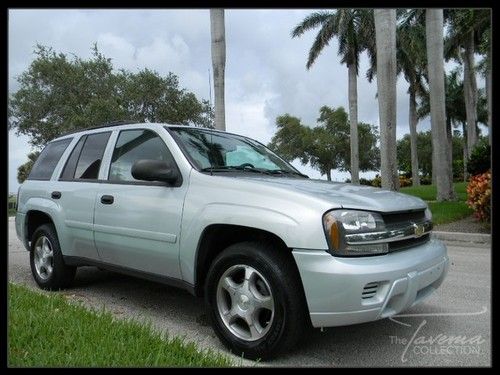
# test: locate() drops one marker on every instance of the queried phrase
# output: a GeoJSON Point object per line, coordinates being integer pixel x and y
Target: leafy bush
{"type": "Point", "coordinates": [362, 181]}
{"type": "Point", "coordinates": [377, 181]}
{"type": "Point", "coordinates": [404, 181]}
{"type": "Point", "coordinates": [479, 195]}
{"type": "Point", "coordinates": [365, 181]}
{"type": "Point", "coordinates": [425, 180]}
{"type": "Point", "coordinates": [479, 161]}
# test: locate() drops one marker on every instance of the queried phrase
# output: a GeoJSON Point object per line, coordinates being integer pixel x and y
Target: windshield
{"type": "Point", "coordinates": [223, 151]}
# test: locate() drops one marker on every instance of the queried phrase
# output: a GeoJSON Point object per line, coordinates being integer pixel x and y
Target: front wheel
{"type": "Point", "coordinates": [255, 300]}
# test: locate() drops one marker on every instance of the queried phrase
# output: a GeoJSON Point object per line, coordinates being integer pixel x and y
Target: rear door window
{"type": "Point", "coordinates": [48, 159]}
{"type": "Point", "coordinates": [85, 160]}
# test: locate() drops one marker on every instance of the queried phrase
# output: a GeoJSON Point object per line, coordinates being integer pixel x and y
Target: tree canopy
{"type": "Point", "coordinates": [58, 94]}
{"type": "Point", "coordinates": [325, 146]}
{"type": "Point", "coordinates": [24, 170]}
{"type": "Point", "coordinates": [424, 149]}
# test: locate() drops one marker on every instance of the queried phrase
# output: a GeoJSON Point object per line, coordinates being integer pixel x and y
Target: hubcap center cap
{"type": "Point", "coordinates": [244, 302]}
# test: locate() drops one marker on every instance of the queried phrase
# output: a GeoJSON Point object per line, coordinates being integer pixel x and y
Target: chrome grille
{"type": "Point", "coordinates": [409, 243]}
{"type": "Point", "coordinates": [402, 219]}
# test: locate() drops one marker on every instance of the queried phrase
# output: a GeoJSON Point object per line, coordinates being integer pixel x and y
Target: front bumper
{"type": "Point", "coordinates": [344, 291]}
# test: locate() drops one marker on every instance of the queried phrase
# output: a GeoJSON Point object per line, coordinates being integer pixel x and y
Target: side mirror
{"type": "Point", "coordinates": [154, 170]}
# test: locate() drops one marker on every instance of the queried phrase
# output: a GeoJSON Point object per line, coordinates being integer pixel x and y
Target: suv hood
{"type": "Point", "coordinates": [344, 194]}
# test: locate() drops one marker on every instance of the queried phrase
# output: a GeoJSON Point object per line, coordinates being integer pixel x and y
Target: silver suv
{"type": "Point", "coordinates": [220, 215]}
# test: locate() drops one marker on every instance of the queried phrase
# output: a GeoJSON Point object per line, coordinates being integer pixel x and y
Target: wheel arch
{"type": "Point", "coordinates": [217, 237]}
{"type": "Point", "coordinates": [34, 219]}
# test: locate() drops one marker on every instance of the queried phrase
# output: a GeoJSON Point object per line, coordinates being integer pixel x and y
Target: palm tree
{"type": "Point", "coordinates": [385, 37]}
{"type": "Point", "coordinates": [485, 68]}
{"type": "Point", "coordinates": [349, 26]}
{"type": "Point", "coordinates": [410, 40]}
{"type": "Point", "coordinates": [435, 70]}
{"type": "Point", "coordinates": [217, 32]}
{"type": "Point", "coordinates": [466, 26]}
{"type": "Point", "coordinates": [455, 108]}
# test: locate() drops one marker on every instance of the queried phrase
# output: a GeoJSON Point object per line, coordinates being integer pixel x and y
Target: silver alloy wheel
{"type": "Point", "coordinates": [245, 302]}
{"type": "Point", "coordinates": [43, 257]}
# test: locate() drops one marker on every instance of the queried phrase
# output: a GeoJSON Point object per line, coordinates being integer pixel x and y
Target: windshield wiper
{"type": "Point", "coordinates": [284, 171]}
{"type": "Point", "coordinates": [220, 168]}
{"type": "Point", "coordinates": [229, 168]}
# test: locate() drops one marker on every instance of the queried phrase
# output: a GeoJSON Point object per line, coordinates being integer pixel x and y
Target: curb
{"type": "Point", "coordinates": [463, 237]}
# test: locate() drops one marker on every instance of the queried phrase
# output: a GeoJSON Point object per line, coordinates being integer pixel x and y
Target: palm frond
{"type": "Point", "coordinates": [322, 40]}
{"type": "Point", "coordinates": [311, 22]}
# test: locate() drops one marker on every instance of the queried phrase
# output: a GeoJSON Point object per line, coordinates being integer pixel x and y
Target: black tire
{"type": "Point", "coordinates": [61, 275]}
{"type": "Point", "coordinates": [290, 311]}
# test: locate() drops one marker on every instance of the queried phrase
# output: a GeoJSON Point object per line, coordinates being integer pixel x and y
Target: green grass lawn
{"type": "Point", "coordinates": [428, 192]}
{"type": "Point", "coordinates": [443, 212]}
{"type": "Point", "coordinates": [46, 330]}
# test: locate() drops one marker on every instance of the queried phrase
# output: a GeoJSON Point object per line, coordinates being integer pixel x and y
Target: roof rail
{"type": "Point", "coordinates": [105, 125]}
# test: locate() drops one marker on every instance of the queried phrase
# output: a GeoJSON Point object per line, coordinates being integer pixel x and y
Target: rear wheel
{"type": "Point", "coordinates": [46, 260]}
{"type": "Point", "coordinates": [255, 300]}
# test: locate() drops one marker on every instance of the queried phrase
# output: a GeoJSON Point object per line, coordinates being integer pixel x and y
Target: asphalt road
{"type": "Point", "coordinates": [451, 328]}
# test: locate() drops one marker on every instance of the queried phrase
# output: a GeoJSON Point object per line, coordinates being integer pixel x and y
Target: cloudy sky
{"type": "Point", "coordinates": [265, 67]}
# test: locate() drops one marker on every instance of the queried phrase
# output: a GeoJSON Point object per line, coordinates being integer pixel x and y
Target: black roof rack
{"type": "Point", "coordinates": [107, 124]}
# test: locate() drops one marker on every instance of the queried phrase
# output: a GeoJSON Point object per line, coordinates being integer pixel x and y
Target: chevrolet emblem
{"type": "Point", "coordinates": [419, 230]}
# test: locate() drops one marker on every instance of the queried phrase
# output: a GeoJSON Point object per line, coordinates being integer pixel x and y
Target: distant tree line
{"type": "Point", "coordinates": [326, 145]}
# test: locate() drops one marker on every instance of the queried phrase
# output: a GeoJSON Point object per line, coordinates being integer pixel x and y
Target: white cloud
{"type": "Point", "coordinates": [121, 51]}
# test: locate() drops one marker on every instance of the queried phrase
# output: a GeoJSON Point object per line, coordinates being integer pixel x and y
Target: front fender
{"type": "Point", "coordinates": [294, 233]}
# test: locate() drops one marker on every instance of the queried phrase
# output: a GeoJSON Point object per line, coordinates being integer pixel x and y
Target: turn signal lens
{"type": "Point", "coordinates": [335, 235]}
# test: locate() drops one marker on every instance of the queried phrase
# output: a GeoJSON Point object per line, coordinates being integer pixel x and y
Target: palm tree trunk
{"type": "Point", "coordinates": [488, 99]}
{"type": "Point", "coordinates": [449, 139]}
{"type": "Point", "coordinates": [385, 36]}
{"type": "Point", "coordinates": [219, 64]}
{"type": "Point", "coordinates": [466, 153]}
{"type": "Point", "coordinates": [353, 117]}
{"type": "Point", "coordinates": [470, 93]}
{"type": "Point", "coordinates": [413, 139]}
{"type": "Point", "coordinates": [435, 66]}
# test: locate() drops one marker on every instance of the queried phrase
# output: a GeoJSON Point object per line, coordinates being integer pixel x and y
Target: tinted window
{"type": "Point", "coordinates": [69, 168]}
{"type": "Point", "coordinates": [88, 152]}
{"type": "Point", "coordinates": [134, 145]}
{"type": "Point", "coordinates": [47, 161]}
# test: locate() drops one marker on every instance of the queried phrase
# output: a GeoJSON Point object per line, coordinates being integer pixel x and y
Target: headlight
{"type": "Point", "coordinates": [340, 225]}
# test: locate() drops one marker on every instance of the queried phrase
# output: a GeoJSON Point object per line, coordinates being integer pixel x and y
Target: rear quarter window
{"type": "Point", "coordinates": [48, 159]}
